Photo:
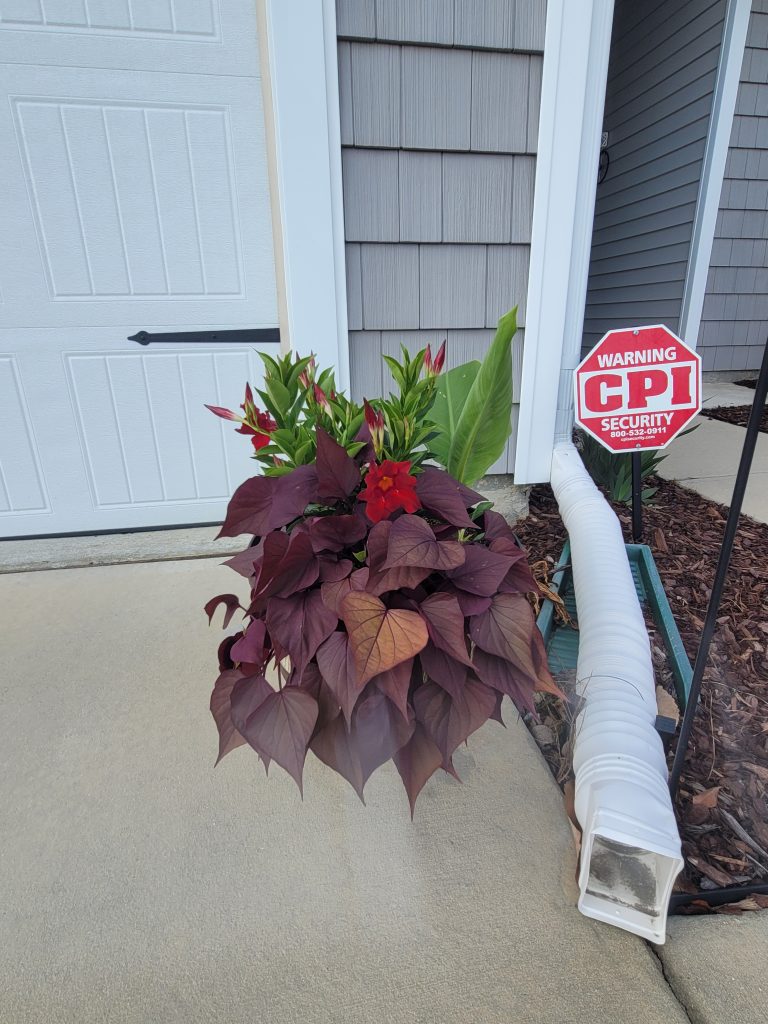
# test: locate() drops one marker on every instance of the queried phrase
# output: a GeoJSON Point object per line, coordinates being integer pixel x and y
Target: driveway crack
{"type": "Point", "coordinates": [684, 1007]}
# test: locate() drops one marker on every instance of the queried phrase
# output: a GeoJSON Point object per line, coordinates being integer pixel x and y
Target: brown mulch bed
{"type": "Point", "coordinates": [736, 414]}
{"type": "Point", "coordinates": [722, 804]}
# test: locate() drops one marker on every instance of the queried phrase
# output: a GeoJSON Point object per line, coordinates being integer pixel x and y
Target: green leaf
{"type": "Point", "coordinates": [485, 420]}
{"type": "Point", "coordinates": [281, 397]}
{"type": "Point", "coordinates": [452, 390]}
{"type": "Point", "coordinates": [477, 511]}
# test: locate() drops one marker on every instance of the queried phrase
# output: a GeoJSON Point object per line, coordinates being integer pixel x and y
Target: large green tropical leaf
{"type": "Point", "coordinates": [484, 423]}
{"type": "Point", "coordinates": [452, 390]}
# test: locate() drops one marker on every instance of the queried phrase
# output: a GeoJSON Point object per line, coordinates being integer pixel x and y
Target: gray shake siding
{"type": "Point", "coordinates": [735, 319]}
{"type": "Point", "coordinates": [664, 58]}
{"type": "Point", "coordinates": [439, 119]}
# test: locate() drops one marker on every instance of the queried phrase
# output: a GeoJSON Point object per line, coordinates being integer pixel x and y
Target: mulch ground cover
{"type": "Point", "coordinates": [736, 414]}
{"type": "Point", "coordinates": [722, 806]}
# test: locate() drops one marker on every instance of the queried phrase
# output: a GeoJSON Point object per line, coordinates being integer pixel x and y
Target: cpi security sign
{"type": "Point", "coordinates": [637, 388]}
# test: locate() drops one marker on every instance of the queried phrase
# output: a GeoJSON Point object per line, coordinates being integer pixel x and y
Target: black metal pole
{"type": "Point", "coordinates": [637, 499]}
{"type": "Point", "coordinates": [750, 440]}
{"type": "Point", "coordinates": [718, 897]}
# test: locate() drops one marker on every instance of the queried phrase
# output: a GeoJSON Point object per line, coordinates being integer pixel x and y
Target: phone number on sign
{"type": "Point", "coordinates": [634, 433]}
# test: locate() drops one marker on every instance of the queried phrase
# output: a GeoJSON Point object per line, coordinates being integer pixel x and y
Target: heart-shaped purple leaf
{"type": "Point", "coordinates": [449, 720]}
{"type": "Point", "coordinates": [265, 503]}
{"type": "Point", "coordinates": [250, 647]}
{"type": "Point", "coordinates": [281, 727]}
{"type": "Point", "coordinates": [221, 709]}
{"type": "Point", "coordinates": [412, 542]}
{"type": "Point", "coordinates": [378, 731]}
{"type": "Point", "coordinates": [445, 623]}
{"type": "Point", "coordinates": [334, 533]}
{"type": "Point", "coordinates": [332, 571]}
{"type": "Point", "coordinates": [506, 630]}
{"type": "Point", "coordinates": [245, 562]}
{"type": "Point", "coordinates": [443, 669]}
{"type": "Point", "coordinates": [337, 472]}
{"type": "Point", "coordinates": [337, 666]}
{"type": "Point", "coordinates": [470, 604]}
{"type": "Point", "coordinates": [417, 762]}
{"type": "Point", "coordinates": [482, 571]}
{"type": "Point", "coordinates": [336, 746]}
{"type": "Point", "coordinates": [395, 684]}
{"type": "Point", "coordinates": [334, 593]}
{"type": "Point", "coordinates": [299, 624]}
{"type": "Point", "coordinates": [248, 694]}
{"type": "Point", "coordinates": [382, 581]}
{"type": "Point", "coordinates": [446, 497]}
{"type": "Point", "coordinates": [505, 677]}
{"type": "Point", "coordinates": [495, 525]}
{"type": "Point", "coordinates": [288, 566]}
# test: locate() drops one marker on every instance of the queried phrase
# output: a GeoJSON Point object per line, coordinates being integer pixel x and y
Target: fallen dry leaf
{"type": "Point", "coordinates": [708, 798]}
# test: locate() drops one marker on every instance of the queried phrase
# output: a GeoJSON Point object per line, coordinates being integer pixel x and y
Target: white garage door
{"type": "Point", "coordinates": [133, 196]}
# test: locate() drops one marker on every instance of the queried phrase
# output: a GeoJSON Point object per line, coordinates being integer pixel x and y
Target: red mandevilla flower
{"type": "Point", "coordinates": [389, 487]}
{"type": "Point", "coordinates": [256, 423]}
{"type": "Point", "coordinates": [265, 423]}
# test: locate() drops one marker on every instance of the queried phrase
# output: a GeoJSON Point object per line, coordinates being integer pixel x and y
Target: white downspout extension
{"type": "Point", "coordinates": [631, 847]}
{"type": "Point", "coordinates": [630, 853]}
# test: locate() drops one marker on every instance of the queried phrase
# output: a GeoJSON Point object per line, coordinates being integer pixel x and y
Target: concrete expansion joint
{"type": "Point", "coordinates": [654, 951]}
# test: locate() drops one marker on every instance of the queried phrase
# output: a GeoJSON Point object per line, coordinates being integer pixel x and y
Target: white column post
{"type": "Point", "coordinates": [299, 67]}
{"type": "Point", "coordinates": [576, 51]}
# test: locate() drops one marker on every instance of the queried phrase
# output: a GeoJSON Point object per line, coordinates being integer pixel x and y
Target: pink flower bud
{"type": "Point", "coordinates": [322, 399]}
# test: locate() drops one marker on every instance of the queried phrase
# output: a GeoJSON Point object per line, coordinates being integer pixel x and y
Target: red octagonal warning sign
{"type": "Point", "coordinates": [637, 388]}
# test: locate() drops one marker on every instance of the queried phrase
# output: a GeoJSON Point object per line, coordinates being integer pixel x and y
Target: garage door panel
{"type": "Point", "coordinates": [133, 199]}
{"type": "Point", "coordinates": [125, 438]}
{"type": "Point", "coordinates": [134, 209]}
{"type": "Point", "coordinates": [146, 434]}
{"type": "Point", "coordinates": [21, 480]}
{"type": "Point", "coordinates": [213, 37]}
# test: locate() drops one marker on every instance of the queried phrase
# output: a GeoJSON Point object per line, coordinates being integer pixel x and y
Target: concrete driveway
{"type": "Point", "coordinates": [140, 885]}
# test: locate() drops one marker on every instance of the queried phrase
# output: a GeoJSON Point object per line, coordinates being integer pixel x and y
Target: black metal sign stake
{"type": "Point", "coordinates": [637, 499]}
{"type": "Point", "coordinates": [753, 428]}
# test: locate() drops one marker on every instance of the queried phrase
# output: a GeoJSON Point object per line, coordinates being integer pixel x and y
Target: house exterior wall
{"type": "Point", "coordinates": [439, 117]}
{"type": "Point", "coordinates": [734, 322]}
{"type": "Point", "coordinates": [664, 59]}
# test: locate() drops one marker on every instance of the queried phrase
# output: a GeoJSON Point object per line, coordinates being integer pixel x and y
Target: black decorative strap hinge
{"type": "Point", "coordinates": [243, 336]}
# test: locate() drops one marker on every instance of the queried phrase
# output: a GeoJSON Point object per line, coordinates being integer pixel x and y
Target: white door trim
{"type": "Point", "coordinates": [576, 51]}
{"type": "Point", "coordinates": [301, 99]}
{"type": "Point", "coordinates": [713, 167]}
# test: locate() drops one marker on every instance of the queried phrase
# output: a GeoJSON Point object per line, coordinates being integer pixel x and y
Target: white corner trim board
{"type": "Point", "coordinates": [713, 169]}
{"type": "Point", "coordinates": [576, 51]}
{"type": "Point", "coordinates": [300, 40]}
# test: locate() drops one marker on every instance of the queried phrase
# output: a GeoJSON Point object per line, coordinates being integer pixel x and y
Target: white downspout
{"type": "Point", "coordinates": [630, 853]}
